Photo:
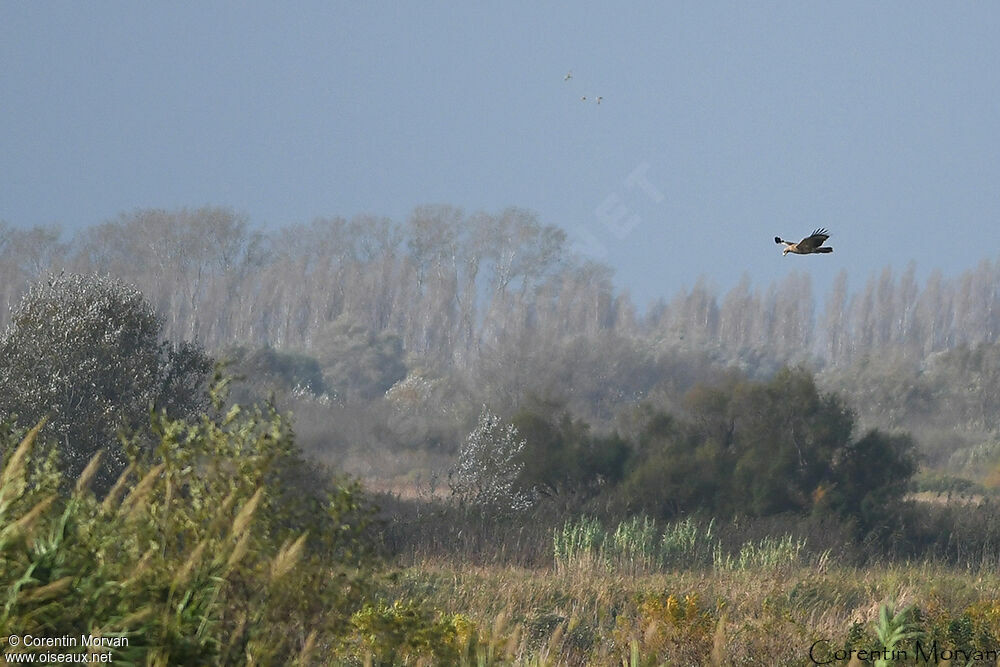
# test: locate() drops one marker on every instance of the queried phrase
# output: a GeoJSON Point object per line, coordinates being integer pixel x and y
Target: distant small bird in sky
{"type": "Point", "coordinates": [583, 98]}
{"type": "Point", "coordinates": [808, 245]}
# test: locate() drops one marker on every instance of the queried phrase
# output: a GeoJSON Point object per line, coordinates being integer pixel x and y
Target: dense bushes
{"type": "Point", "coordinates": [266, 372]}
{"type": "Point", "coordinates": [88, 352]}
{"type": "Point", "coordinates": [762, 448]}
{"type": "Point", "coordinates": [738, 448]}
{"type": "Point", "coordinates": [561, 453]}
{"type": "Point", "coordinates": [214, 547]}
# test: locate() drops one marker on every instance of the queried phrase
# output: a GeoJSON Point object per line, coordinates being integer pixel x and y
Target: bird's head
{"type": "Point", "coordinates": [785, 251]}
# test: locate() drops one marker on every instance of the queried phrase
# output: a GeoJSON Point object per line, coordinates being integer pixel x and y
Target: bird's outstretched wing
{"type": "Point", "coordinates": [815, 240]}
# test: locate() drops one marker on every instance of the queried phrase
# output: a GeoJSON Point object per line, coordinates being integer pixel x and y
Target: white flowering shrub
{"type": "Point", "coordinates": [488, 466]}
{"type": "Point", "coordinates": [86, 351]}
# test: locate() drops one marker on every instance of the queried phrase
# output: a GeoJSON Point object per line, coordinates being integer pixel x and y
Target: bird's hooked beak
{"type": "Point", "coordinates": [784, 252]}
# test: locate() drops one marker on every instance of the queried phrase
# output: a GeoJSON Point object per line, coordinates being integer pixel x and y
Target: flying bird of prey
{"type": "Point", "coordinates": [808, 245]}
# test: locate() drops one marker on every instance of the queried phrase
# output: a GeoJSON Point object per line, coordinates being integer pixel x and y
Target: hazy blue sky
{"type": "Point", "coordinates": [721, 125]}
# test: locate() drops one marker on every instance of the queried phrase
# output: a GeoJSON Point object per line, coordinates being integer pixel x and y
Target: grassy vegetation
{"type": "Point", "coordinates": [220, 545]}
{"type": "Point", "coordinates": [817, 551]}
{"type": "Point", "coordinates": [638, 545]}
{"type": "Point", "coordinates": [551, 587]}
{"type": "Point", "coordinates": [595, 615]}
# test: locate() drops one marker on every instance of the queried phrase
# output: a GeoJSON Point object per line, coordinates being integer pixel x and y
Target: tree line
{"type": "Point", "coordinates": [407, 327]}
{"type": "Point", "coordinates": [85, 360]}
{"type": "Point", "coordinates": [457, 288]}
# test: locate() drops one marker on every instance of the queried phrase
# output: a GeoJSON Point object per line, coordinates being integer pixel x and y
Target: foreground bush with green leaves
{"type": "Point", "coordinates": [217, 545]}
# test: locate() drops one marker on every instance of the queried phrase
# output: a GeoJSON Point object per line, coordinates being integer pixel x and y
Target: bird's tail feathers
{"type": "Point", "coordinates": [824, 249]}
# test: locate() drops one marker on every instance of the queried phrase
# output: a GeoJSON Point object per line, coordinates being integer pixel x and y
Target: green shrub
{"type": "Point", "coordinates": [405, 631]}
{"type": "Point", "coordinates": [207, 550]}
{"type": "Point", "coordinates": [747, 448]}
{"type": "Point", "coordinates": [87, 351]}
